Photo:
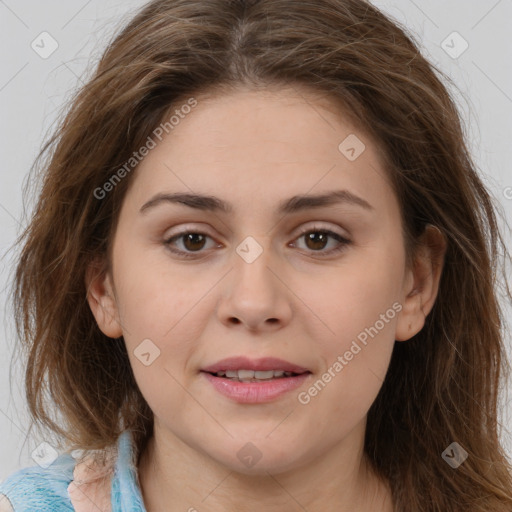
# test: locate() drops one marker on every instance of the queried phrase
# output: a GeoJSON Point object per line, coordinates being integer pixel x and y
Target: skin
{"type": "Point", "coordinates": [256, 149]}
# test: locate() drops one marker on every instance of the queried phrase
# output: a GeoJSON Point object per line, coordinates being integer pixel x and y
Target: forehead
{"type": "Point", "coordinates": [262, 144]}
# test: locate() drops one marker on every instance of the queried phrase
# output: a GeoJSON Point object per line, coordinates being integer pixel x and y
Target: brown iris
{"type": "Point", "coordinates": [316, 237]}
{"type": "Point", "coordinates": [193, 241]}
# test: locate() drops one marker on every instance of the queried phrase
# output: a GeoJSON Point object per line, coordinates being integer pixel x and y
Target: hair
{"type": "Point", "coordinates": [442, 385]}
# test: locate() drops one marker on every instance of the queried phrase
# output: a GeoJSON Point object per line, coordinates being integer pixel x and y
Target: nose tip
{"type": "Point", "coordinates": [254, 297]}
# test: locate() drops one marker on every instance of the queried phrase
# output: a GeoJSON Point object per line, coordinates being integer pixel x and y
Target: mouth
{"type": "Point", "coordinates": [241, 367]}
{"type": "Point", "coordinates": [255, 375]}
{"type": "Point", "coordinates": [252, 381]}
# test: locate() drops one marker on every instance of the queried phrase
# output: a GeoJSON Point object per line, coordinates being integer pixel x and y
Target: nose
{"type": "Point", "coordinates": [255, 294]}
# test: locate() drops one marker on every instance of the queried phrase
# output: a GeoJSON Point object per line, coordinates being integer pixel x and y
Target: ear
{"type": "Point", "coordinates": [421, 283]}
{"type": "Point", "coordinates": [101, 298]}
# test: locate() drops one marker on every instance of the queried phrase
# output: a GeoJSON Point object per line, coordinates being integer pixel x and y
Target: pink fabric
{"type": "Point", "coordinates": [90, 488]}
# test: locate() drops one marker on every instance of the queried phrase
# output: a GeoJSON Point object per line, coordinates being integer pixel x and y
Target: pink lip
{"type": "Point", "coordinates": [256, 392]}
{"type": "Point", "coordinates": [263, 364]}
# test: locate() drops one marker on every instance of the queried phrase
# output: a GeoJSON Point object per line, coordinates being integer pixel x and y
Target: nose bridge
{"type": "Point", "coordinates": [254, 295]}
{"type": "Point", "coordinates": [252, 262]}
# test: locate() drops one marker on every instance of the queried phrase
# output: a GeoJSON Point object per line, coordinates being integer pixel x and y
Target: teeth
{"type": "Point", "coordinates": [250, 375]}
{"type": "Point", "coordinates": [264, 375]}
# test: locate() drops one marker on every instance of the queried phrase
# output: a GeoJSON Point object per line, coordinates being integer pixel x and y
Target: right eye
{"type": "Point", "coordinates": [192, 242]}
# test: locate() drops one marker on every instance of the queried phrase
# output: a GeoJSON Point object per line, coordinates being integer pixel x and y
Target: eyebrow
{"type": "Point", "coordinates": [291, 205]}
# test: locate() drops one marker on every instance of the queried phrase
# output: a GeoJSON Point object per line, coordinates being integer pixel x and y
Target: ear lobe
{"type": "Point", "coordinates": [422, 283]}
{"type": "Point", "coordinates": [101, 299]}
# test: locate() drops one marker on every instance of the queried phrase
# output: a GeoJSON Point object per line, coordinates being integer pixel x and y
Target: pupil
{"type": "Point", "coordinates": [311, 238]}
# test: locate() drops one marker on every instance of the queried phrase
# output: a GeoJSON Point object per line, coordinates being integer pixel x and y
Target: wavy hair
{"type": "Point", "coordinates": [442, 385]}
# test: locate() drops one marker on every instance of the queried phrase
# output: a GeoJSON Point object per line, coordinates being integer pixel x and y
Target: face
{"type": "Point", "coordinates": [321, 286]}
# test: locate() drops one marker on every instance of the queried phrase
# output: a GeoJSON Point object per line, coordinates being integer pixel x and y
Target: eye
{"type": "Point", "coordinates": [193, 242]}
{"type": "Point", "coordinates": [316, 239]}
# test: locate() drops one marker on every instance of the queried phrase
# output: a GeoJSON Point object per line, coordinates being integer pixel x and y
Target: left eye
{"type": "Point", "coordinates": [316, 240]}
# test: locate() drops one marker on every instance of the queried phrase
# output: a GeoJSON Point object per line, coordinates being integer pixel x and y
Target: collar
{"type": "Point", "coordinates": [109, 483]}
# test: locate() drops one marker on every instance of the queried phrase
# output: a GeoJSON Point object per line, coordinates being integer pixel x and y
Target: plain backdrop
{"type": "Point", "coordinates": [478, 59]}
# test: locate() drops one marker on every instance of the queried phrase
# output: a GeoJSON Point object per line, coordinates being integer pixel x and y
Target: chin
{"type": "Point", "coordinates": [259, 458]}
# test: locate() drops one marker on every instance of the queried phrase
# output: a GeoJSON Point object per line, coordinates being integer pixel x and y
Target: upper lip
{"type": "Point", "coordinates": [263, 364]}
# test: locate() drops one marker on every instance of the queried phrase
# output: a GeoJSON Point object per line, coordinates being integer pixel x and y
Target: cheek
{"type": "Point", "coordinates": [354, 363]}
{"type": "Point", "coordinates": [356, 295]}
{"type": "Point", "coordinates": [154, 294]}
{"type": "Point", "coordinates": [162, 312]}
{"type": "Point", "coordinates": [360, 307]}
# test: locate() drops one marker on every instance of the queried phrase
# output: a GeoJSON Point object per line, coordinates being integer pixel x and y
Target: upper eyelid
{"type": "Point", "coordinates": [306, 229]}
{"type": "Point", "coordinates": [316, 225]}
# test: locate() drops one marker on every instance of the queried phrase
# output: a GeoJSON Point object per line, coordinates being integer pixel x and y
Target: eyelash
{"type": "Point", "coordinates": [331, 234]}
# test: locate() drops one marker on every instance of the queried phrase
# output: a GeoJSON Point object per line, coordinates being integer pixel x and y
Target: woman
{"type": "Point", "coordinates": [289, 265]}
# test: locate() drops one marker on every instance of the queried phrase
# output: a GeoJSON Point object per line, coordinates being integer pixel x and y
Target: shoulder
{"type": "Point", "coordinates": [37, 488]}
{"type": "Point", "coordinates": [90, 489]}
{"type": "Point", "coordinates": [69, 485]}
{"type": "Point", "coordinates": [5, 504]}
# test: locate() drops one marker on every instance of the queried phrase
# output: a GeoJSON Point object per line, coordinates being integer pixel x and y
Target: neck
{"type": "Point", "coordinates": [175, 477]}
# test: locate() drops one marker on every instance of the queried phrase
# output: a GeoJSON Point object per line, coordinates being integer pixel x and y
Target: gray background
{"type": "Point", "coordinates": [32, 91]}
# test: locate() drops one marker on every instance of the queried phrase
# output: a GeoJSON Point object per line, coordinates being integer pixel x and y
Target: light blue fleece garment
{"type": "Point", "coordinates": [36, 489]}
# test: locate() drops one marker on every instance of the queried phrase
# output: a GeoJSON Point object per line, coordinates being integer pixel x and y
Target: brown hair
{"type": "Point", "coordinates": [442, 385]}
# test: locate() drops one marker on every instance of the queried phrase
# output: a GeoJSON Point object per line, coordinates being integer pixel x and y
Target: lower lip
{"type": "Point", "coordinates": [255, 392]}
